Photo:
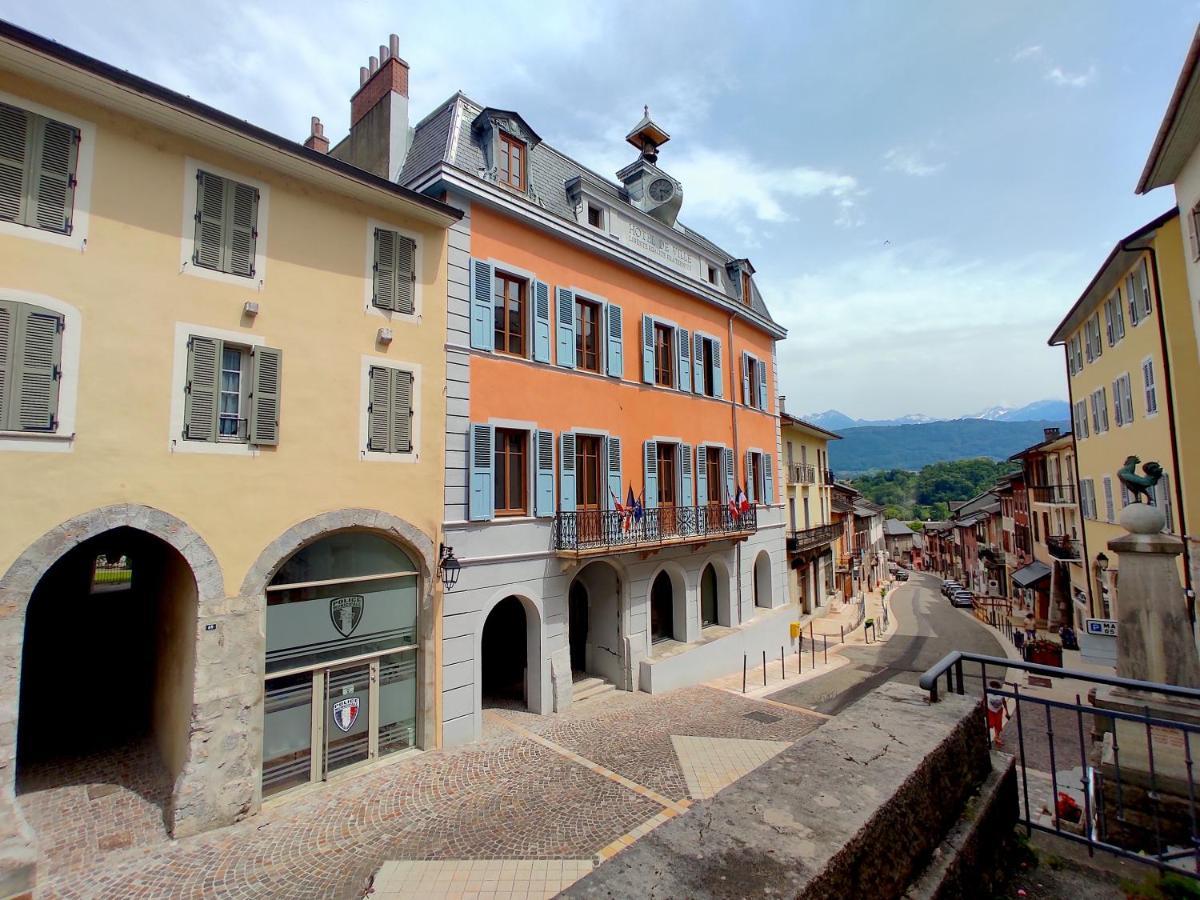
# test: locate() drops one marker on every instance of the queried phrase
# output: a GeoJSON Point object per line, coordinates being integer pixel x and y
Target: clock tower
{"type": "Point", "coordinates": [651, 189]}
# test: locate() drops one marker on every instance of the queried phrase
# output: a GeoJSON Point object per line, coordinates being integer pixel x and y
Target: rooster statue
{"type": "Point", "coordinates": [1139, 485]}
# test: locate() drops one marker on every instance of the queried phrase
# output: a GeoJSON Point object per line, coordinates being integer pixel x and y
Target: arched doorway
{"type": "Point", "coordinates": [107, 670]}
{"type": "Point", "coordinates": [577, 618]}
{"type": "Point", "coordinates": [762, 580]}
{"type": "Point", "coordinates": [662, 609]}
{"type": "Point", "coordinates": [504, 656]}
{"type": "Point", "coordinates": [341, 659]}
{"type": "Point", "coordinates": [708, 596]}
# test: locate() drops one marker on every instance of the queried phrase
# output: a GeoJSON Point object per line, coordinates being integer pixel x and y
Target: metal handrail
{"type": "Point", "coordinates": [603, 529]}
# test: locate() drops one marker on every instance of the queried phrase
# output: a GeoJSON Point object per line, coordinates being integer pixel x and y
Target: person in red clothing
{"type": "Point", "coordinates": [997, 709]}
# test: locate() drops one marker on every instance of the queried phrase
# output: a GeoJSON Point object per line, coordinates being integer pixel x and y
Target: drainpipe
{"type": "Point", "coordinates": [737, 452]}
{"type": "Point", "coordinates": [1087, 560]}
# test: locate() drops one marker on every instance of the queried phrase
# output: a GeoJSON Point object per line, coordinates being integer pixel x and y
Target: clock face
{"type": "Point", "coordinates": [661, 189]}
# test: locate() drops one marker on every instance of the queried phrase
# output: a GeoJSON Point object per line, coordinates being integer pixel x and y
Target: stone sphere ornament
{"type": "Point", "coordinates": [1142, 518]}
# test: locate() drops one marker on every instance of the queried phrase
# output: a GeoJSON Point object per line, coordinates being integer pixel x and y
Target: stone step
{"type": "Point", "coordinates": [583, 682]}
{"type": "Point", "coordinates": [597, 687]}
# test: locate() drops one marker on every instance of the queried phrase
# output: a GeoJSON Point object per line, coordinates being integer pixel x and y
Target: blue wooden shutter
{"type": "Point", "coordinates": [483, 321]}
{"type": "Point", "coordinates": [541, 321]}
{"type": "Point", "coordinates": [762, 385]}
{"type": "Point", "coordinates": [768, 480]}
{"type": "Point", "coordinates": [718, 378]}
{"type": "Point", "coordinates": [647, 349]}
{"type": "Point", "coordinates": [747, 362]}
{"type": "Point", "coordinates": [701, 475]}
{"type": "Point", "coordinates": [727, 461]}
{"type": "Point", "coordinates": [684, 339]}
{"type": "Point", "coordinates": [685, 474]}
{"type": "Point", "coordinates": [750, 485]}
{"type": "Point", "coordinates": [544, 495]}
{"type": "Point", "coordinates": [566, 335]}
{"type": "Point", "coordinates": [613, 452]}
{"type": "Point", "coordinates": [698, 365]}
{"type": "Point", "coordinates": [650, 454]}
{"type": "Point", "coordinates": [616, 342]}
{"type": "Point", "coordinates": [481, 506]}
{"type": "Point", "coordinates": [566, 472]}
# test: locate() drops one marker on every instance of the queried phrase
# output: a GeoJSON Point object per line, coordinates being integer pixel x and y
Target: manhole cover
{"type": "Point", "coordinates": [765, 718]}
{"type": "Point", "coordinates": [1040, 681]}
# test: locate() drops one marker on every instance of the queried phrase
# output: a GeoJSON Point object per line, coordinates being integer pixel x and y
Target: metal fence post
{"type": "Point", "coordinates": [782, 670]}
{"type": "Point", "coordinates": [743, 673]}
{"type": "Point", "coordinates": [764, 668]}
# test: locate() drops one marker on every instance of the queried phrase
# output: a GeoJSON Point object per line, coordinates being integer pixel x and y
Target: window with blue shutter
{"type": "Point", "coordinates": [768, 480]}
{"type": "Point", "coordinates": [480, 506]}
{"type": "Point", "coordinates": [701, 475]}
{"type": "Point", "coordinates": [482, 317]}
{"type": "Point", "coordinates": [647, 349]}
{"type": "Point", "coordinates": [650, 483]}
{"type": "Point", "coordinates": [685, 359]}
{"type": "Point", "coordinates": [728, 470]}
{"type": "Point", "coordinates": [613, 452]}
{"type": "Point", "coordinates": [747, 362]}
{"type": "Point", "coordinates": [541, 321]}
{"type": "Point", "coordinates": [718, 378]}
{"type": "Point", "coordinates": [543, 499]}
{"type": "Point", "coordinates": [685, 475]}
{"type": "Point", "coordinates": [566, 471]}
{"type": "Point", "coordinates": [616, 342]}
{"type": "Point", "coordinates": [565, 331]}
{"type": "Point", "coordinates": [698, 364]}
{"type": "Point", "coordinates": [751, 486]}
{"type": "Point", "coordinates": [762, 386]}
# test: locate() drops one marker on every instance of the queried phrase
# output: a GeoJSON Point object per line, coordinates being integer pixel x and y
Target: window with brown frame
{"type": "Point", "coordinates": [511, 161]}
{"type": "Point", "coordinates": [746, 288]}
{"type": "Point", "coordinates": [664, 356]}
{"type": "Point", "coordinates": [510, 476]}
{"type": "Point", "coordinates": [587, 334]}
{"type": "Point", "coordinates": [509, 310]}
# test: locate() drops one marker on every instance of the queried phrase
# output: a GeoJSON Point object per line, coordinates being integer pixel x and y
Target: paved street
{"type": "Point", "coordinates": [927, 629]}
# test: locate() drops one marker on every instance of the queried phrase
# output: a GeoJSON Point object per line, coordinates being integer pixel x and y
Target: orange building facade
{"type": "Point", "coordinates": [613, 481]}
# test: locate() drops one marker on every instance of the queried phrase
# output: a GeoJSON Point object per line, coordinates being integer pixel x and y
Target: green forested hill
{"type": "Point", "coordinates": [927, 494]}
{"type": "Point", "coordinates": [910, 447]}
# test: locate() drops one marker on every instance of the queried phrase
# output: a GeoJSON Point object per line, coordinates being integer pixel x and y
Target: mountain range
{"type": "Point", "coordinates": [1050, 410]}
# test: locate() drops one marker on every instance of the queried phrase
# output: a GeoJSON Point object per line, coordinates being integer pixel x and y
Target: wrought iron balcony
{"type": "Point", "coordinates": [1053, 493]}
{"type": "Point", "coordinates": [589, 532]}
{"type": "Point", "coordinates": [806, 539]}
{"type": "Point", "coordinates": [1063, 547]}
{"type": "Point", "coordinates": [803, 474]}
{"type": "Point", "coordinates": [828, 476]}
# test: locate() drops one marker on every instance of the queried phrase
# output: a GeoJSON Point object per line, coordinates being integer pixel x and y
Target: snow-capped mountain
{"type": "Point", "coordinates": [1050, 410]}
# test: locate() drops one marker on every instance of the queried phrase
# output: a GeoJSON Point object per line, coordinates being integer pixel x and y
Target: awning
{"type": "Point", "coordinates": [1027, 575]}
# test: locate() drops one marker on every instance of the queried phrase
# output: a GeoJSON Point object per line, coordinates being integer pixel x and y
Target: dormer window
{"type": "Point", "coordinates": [511, 155]}
{"type": "Point", "coordinates": [712, 274]}
{"type": "Point", "coordinates": [746, 294]}
{"type": "Point", "coordinates": [595, 216]}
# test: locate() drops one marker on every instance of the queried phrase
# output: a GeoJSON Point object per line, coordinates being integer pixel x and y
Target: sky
{"type": "Point", "coordinates": [923, 188]}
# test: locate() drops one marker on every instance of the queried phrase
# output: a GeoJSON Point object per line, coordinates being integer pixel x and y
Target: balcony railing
{"type": "Point", "coordinates": [1063, 547]}
{"type": "Point", "coordinates": [828, 476]}
{"type": "Point", "coordinates": [1053, 493]}
{"type": "Point", "coordinates": [803, 474]}
{"type": "Point", "coordinates": [599, 530]}
{"type": "Point", "coordinates": [798, 541]}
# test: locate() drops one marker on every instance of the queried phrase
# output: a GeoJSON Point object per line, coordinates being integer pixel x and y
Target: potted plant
{"type": "Point", "coordinates": [1044, 652]}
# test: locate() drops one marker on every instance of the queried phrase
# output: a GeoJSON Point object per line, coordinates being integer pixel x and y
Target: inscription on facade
{"type": "Point", "coordinates": [656, 245]}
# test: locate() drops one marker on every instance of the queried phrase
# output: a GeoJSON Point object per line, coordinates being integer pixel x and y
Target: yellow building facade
{"type": "Point", "coordinates": [222, 376]}
{"type": "Point", "coordinates": [811, 533]}
{"type": "Point", "coordinates": [1133, 376]}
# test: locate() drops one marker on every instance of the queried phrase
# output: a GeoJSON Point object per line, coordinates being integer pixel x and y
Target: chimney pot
{"type": "Point", "coordinates": [1052, 433]}
{"type": "Point", "coordinates": [383, 54]}
{"type": "Point", "coordinates": [394, 44]}
{"type": "Point", "coordinates": [316, 139]}
{"type": "Point", "coordinates": [363, 75]}
{"type": "Point", "coordinates": [374, 65]}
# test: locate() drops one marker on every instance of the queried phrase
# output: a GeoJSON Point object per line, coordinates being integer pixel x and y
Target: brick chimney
{"type": "Point", "coordinates": [379, 133]}
{"type": "Point", "coordinates": [316, 139]}
{"type": "Point", "coordinates": [1052, 433]}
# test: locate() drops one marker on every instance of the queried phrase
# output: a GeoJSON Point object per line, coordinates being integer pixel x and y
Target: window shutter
{"type": "Point", "coordinates": [482, 319]}
{"type": "Point", "coordinates": [14, 140]}
{"type": "Point", "coordinates": [543, 500]}
{"type": "Point", "coordinates": [1124, 495]}
{"type": "Point", "coordinates": [1104, 407]}
{"type": "Point", "coordinates": [1108, 499]}
{"type": "Point", "coordinates": [727, 461]}
{"type": "Point", "coordinates": [762, 385]}
{"type": "Point", "coordinates": [1127, 397]}
{"type": "Point", "coordinates": [750, 485]}
{"type": "Point", "coordinates": [613, 447]}
{"type": "Point", "coordinates": [8, 333]}
{"type": "Point", "coordinates": [384, 275]}
{"type": "Point", "coordinates": [1119, 312]}
{"type": "Point", "coordinates": [566, 471]}
{"type": "Point", "coordinates": [200, 397]}
{"type": "Point", "coordinates": [698, 363]}
{"type": "Point", "coordinates": [242, 201]}
{"type": "Point", "coordinates": [1148, 380]}
{"type": "Point", "coordinates": [406, 274]}
{"type": "Point", "coordinates": [685, 359]}
{"type": "Point", "coordinates": [768, 480]}
{"type": "Point", "coordinates": [481, 505]}
{"type": "Point", "coordinates": [36, 353]}
{"type": "Point", "coordinates": [264, 397]}
{"type": "Point", "coordinates": [379, 411]}
{"type": "Point", "coordinates": [650, 454]}
{"type": "Point", "coordinates": [616, 341]}
{"type": "Point", "coordinates": [1193, 237]}
{"type": "Point", "coordinates": [210, 220]}
{"type": "Point", "coordinates": [685, 474]}
{"type": "Point", "coordinates": [701, 475]}
{"type": "Point", "coordinates": [53, 189]}
{"type": "Point", "coordinates": [647, 349]}
{"type": "Point", "coordinates": [718, 379]}
{"type": "Point", "coordinates": [1168, 508]}
{"type": "Point", "coordinates": [1096, 328]}
{"type": "Point", "coordinates": [565, 335]}
{"type": "Point", "coordinates": [402, 410]}
{"type": "Point", "coordinates": [1118, 407]}
{"type": "Point", "coordinates": [1108, 321]}
{"type": "Point", "coordinates": [747, 362]}
{"type": "Point", "coordinates": [541, 321]}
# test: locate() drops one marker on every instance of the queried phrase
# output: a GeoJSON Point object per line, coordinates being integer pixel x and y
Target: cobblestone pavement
{"type": "Point", "coordinates": [574, 786]}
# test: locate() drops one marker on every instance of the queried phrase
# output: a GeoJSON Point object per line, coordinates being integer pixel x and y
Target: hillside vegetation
{"type": "Point", "coordinates": [927, 494]}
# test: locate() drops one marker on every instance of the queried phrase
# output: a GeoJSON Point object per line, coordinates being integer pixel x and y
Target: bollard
{"type": "Point", "coordinates": [782, 670]}
{"type": "Point", "coordinates": [743, 673]}
{"type": "Point", "coordinates": [800, 655]}
{"type": "Point", "coordinates": [812, 645]}
{"type": "Point", "coordinates": [825, 640]}
{"type": "Point", "coordinates": [764, 668]}
{"type": "Point", "coordinates": [842, 629]}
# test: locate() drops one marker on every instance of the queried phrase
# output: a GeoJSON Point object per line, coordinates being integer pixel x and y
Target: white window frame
{"type": "Point", "coordinates": [175, 440]}
{"type": "Point", "coordinates": [367, 363]}
{"type": "Point", "coordinates": [187, 243]}
{"type": "Point", "coordinates": [602, 228]}
{"type": "Point", "coordinates": [392, 316]}
{"type": "Point", "coordinates": [1151, 389]}
{"type": "Point", "coordinates": [62, 439]}
{"type": "Point", "coordinates": [84, 169]}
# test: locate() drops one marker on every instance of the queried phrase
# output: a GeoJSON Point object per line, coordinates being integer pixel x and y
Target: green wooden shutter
{"type": "Point", "coordinates": [384, 293]}
{"type": "Point", "coordinates": [200, 393]}
{"type": "Point", "coordinates": [210, 220]}
{"type": "Point", "coordinates": [53, 188]}
{"type": "Point", "coordinates": [264, 395]}
{"type": "Point", "coordinates": [401, 411]}
{"type": "Point", "coordinates": [406, 274]}
{"type": "Point", "coordinates": [8, 333]}
{"type": "Point", "coordinates": [242, 223]}
{"type": "Point", "coordinates": [14, 139]}
{"type": "Point", "coordinates": [36, 369]}
{"type": "Point", "coordinates": [379, 410]}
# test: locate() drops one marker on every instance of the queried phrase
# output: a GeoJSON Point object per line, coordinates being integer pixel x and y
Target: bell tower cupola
{"type": "Point", "coordinates": [651, 189]}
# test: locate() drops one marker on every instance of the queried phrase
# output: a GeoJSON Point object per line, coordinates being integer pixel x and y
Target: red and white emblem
{"type": "Point", "coordinates": [345, 713]}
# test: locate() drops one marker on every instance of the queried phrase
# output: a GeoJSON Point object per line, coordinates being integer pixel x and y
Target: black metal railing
{"type": "Point", "coordinates": [811, 537]}
{"type": "Point", "coordinates": [829, 476]}
{"type": "Point", "coordinates": [1053, 493]}
{"type": "Point", "coordinates": [803, 474]}
{"type": "Point", "coordinates": [598, 529]}
{"type": "Point", "coordinates": [1122, 783]}
{"type": "Point", "coordinates": [1063, 547]}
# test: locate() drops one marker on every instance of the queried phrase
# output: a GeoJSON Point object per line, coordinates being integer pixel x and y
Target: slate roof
{"type": "Point", "coordinates": [896, 528]}
{"type": "Point", "coordinates": [444, 136]}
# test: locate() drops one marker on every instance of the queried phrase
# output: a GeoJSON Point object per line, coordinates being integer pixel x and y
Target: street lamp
{"type": "Point", "coordinates": [1102, 562]}
{"type": "Point", "coordinates": [448, 567]}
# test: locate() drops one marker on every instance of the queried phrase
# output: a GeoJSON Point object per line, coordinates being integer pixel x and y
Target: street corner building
{"type": "Point", "coordinates": [222, 392]}
{"type": "Point", "coordinates": [612, 441]}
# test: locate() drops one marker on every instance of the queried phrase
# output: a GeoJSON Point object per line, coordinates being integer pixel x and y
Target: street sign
{"type": "Point", "coordinates": [1101, 626]}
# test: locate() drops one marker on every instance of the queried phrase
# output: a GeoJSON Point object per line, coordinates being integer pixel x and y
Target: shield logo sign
{"type": "Point", "coordinates": [346, 613]}
{"type": "Point", "coordinates": [345, 713]}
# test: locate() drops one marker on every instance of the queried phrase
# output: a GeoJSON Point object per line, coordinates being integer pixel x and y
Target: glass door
{"type": "Point", "coordinates": [348, 716]}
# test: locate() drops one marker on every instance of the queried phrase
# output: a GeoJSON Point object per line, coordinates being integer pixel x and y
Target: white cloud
{"type": "Point", "coordinates": [1067, 79]}
{"type": "Point", "coordinates": [910, 161]}
{"type": "Point", "coordinates": [1027, 52]}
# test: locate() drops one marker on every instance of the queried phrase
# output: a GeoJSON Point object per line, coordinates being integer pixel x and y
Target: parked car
{"type": "Point", "coordinates": [963, 598]}
{"type": "Point", "coordinates": [949, 587]}
{"type": "Point", "coordinates": [902, 574]}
